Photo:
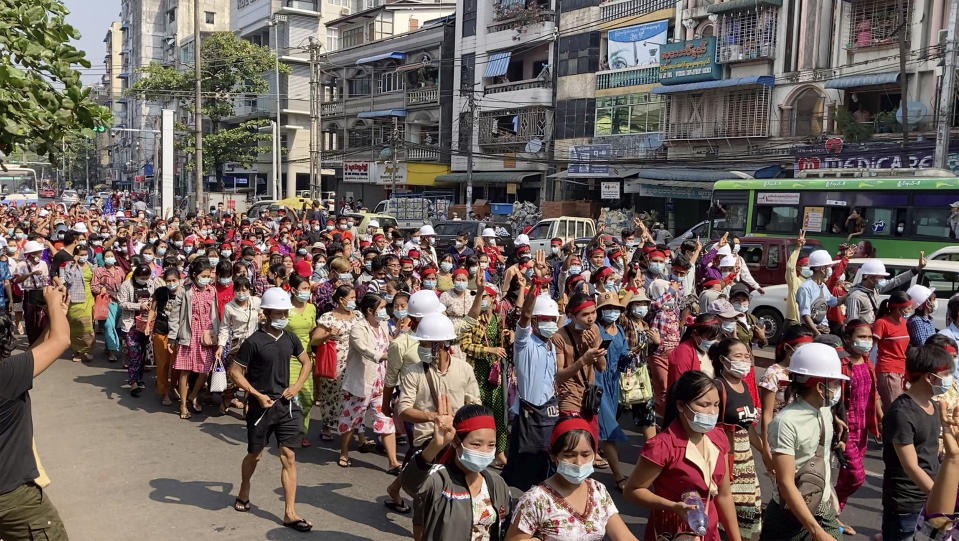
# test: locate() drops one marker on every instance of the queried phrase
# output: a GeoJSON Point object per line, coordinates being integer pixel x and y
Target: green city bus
{"type": "Point", "coordinates": [898, 216]}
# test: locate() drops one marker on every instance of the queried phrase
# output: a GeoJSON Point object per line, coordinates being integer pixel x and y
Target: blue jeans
{"type": "Point", "coordinates": [898, 526]}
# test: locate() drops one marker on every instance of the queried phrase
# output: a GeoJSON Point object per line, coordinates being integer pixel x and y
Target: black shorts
{"type": "Point", "coordinates": [284, 420]}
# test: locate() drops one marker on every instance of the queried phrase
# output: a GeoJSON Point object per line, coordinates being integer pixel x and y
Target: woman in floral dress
{"type": "Point", "coordinates": [196, 317]}
{"type": "Point", "coordinates": [335, 325]}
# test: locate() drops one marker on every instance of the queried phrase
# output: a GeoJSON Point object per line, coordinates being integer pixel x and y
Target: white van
{"type": "Point", "coordinates": [567, 228]}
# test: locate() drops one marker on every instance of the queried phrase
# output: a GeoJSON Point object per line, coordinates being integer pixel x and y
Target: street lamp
{"type": "Point", "coordinates": [275, 21]}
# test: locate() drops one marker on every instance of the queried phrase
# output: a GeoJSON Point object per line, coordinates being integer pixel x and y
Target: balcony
{"type": "Point", "coordinates": [526, 18]}
{"type": "Point", "coordinates": [514, 129]}
{"type": "Point", "coordinates": [423, 96]}
{"type": "Point", "coordinates": [626, 77]}
{"type": "Point", "coordinates": [632, 8]}
{"type": "Point", "coordinates": [422, 154]}
{"type": "Point", "coordinates": [538, 82]}
{"type": "Point", "coordinates": [332, 108]}
{"type": "Point", "coordinates": [680, 131]}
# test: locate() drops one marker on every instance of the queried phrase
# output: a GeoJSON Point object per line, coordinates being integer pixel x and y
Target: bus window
{"type": "Point", "coordinates": [931, 217]}
{"type": "Point", "coordinates": [886, 222]}
{"type": "Point", "coordinates": [835, 210]}
{"type": "Point", "coordinates": [777, 219]}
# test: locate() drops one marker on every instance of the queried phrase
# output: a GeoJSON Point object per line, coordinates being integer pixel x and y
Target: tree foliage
{"type": "Point", "coordinates": [41, 95]}
{"type": "Point", "coordinates": [232, 68]}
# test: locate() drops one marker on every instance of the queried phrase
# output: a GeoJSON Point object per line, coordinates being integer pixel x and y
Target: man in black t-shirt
{"type": "Point", "coordinates": [65, 255]}
{"type": "Point", "coordinates": [910, 448]}
{"type": "Point", "coordinates": [25, 512]}
{"type": "Point", "coordinates": [273, 408]}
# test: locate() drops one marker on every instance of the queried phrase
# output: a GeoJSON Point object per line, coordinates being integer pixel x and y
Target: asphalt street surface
{"type": "Point", "coordinates": [128, 468]}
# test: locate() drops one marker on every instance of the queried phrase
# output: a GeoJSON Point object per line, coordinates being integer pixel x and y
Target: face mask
{"type": "Point", "coordinates": [242, 296]}
{"type": "Point", "coordinates": [432, 241]}
{"type": "Point", "coordinates": [152, 240]}
{"type": "Point", "coordinates": [609, 316]}
{"type": "Point", "coordinates": [82, 260]}
{"type": "Point", "coordinates": [882, 283]}
{"type": "Point", "coordinates": [280, 323]}
{"type": "Point", "coordinates": [906, 314]}
{"type": "Point", "coordinates": [351, 306]}
{"type": "Point", "coordinates": [833, 398]}
{"type": "Point", "coordinates": [573, 473]}
{"type": "Point", "coordinates": [640, 311]}
{"type": "Point", "coordinates": [214, 261]}
{"type": "Point", "coordinates": [805, 272]}
{"type": "Point", "coordinates": [203, 282]}
{"type": "Point", "coordinates": [148, 258]}
{"type": "Point", "coordinates": [735, 248]}
{"type": "Point", "coordinates": [425, 354]}
{"type": "Point", "coordinates": [729, 326]}
{"type": "Point", "coordinates": [555, 250]}
{"type": "Point", "coordinates": [368, 265]}
{"type": "Point", "coordinates": [350, 223]}
{"type": "Point", "coordinates": [172, 285]}
{"type": "Point", "coordinates": [483, 266]}
{"type": "Point", "coordinates": [460, 286]}
{"type": "Point", "coordinates": [301, 251]}
{"type": "Point", "coordinates": [475, 461]}
{"type": "Point", "coordinates": [484, 305]}
{"type": "Point", "coordinates": [429, 284]}
{"type": "Point", "coordinates": [945, 383]}
{"type": "Point", "coordinates": [109, 261]}
{"type": "Point", "coordinates": [547, 329]}
{"type": "Point", "coordinates": [935, 306]}
{"type": "Point", "coordinates": [460, 244]}
{"type": "Point", "coordinates": [828, 272]}
{"type": "Point", "coordinates": [415, 240]}
{"type": "Point", "coordinates": [575, 270]}
{"type": "Point", "coordinates": [226, 253]}
{"type": "Point", "coordinates": [738, 369]}
{"type": "Point", "coordinates": [140, 282]}
{"type": "Point", "coordinates": [446, 266]}
{"type": "Point", "coordinates": [400, 314]}
{"type": "Point", "coordinates": [21, 236]}
{"type": "Point", "coordinates": [657, 268]}
{"type": "Point", "coordinates": [388, 298]}
{"type": "Point", "coordinates": [303, 296]}
{"type": "Point", "coordinates": [862, 345]}
{"type": "Point", "coordinates": [491, 242]}
{"type": "Point", "coordinates": [382, 315]}
{"type": "Point", "coordinates": [742, 308]}
{"type": "Point", "coordinates": [900, 229]}
{"type": "Point", "coordinates": [702, 422]}
{"type": "Point", "coordinates": [225, 281]}
{"type": "Point", "coordinates": [11, 249]}
{"type": "Point", "coordinates": [705, 345]}
{"type": "Point", "coordinates": [161, 251]}
{"type": "Point", "coordinates": [345, 277]}
{"type": "Point", "coordinates": [188, 250]}
{"type": "Point", "coordinates": [473, 270]}
{"type": "Point", "coordinates": [610, 285]}
{"type": "Point", "coordinates": [343, 227]}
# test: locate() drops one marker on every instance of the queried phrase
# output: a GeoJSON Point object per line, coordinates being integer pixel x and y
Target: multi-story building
{"type": "Point", "coordinates": [503, 98]}
{"type": "Point", "coordinates": [390, 100]}
{"type": "Point", "coordinates": [112, 86]}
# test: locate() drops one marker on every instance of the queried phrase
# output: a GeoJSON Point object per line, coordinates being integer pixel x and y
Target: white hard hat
{"type": "Point", "coordinates": [80, 227]}
{"type": "Point", "coordinates": [423, 303]}
{"type": "Point", "coordinates": [488, 232]}
{"type": "Point", "coordinates": [821, 258]}
{"type": "Point", "coordinates": [434, 328]}
{"type": "Point", "coordinates": [873, 267]}
{"type": "Point", "coordinates": [427, 230]}
{"type": "Point", "coordinates": [919, 294]}
{"type": "Point", "coordinates": [43, 212]}
{"type": "Point", "coordinates": [724, 250]}
{"type": "Point", "coordinates": [522, 239]}
{"type": "Point", "coordinates": [32, 246]}
{"type": "Point", "coordinates": [545, 306]}
{"type": "Point", "coordinates": [816, 360]}
{"type": "Point", "coordinates": [728, 261]}
{"type": "Point", "coordinates": [276, 298]}
{"type": "Point", "coordinates": [374, 223]}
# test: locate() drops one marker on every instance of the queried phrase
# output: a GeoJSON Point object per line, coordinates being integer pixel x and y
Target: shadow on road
{"type": "Point", "coordinates": [371, 513]}
{"type": "Point", "coordinates": [209, 495]}
{"type": "Point", "coordinates": [111, 384]}
{"type": "Point", "coordinates": [284, 534]}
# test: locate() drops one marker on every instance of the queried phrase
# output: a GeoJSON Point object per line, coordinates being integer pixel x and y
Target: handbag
{"type": "Point", "coordinates": [101, 306]}
{"type": "Point", "coordinates": [592, 393]}
{"type": "Point", "coordinates": [495, 372]}
{"type": "Point", "coordinates": [143, 323]}
{"type": "Point", "coordinates": [325, 356]}
{"type": "Point", "coordinates": [218, 377]}
{"type": "Point", "coordinates": [208, 338]}
{"type": "Point", "coordinates": [811, 477]}
{"type": "Point", "coordinates": [635, 386]}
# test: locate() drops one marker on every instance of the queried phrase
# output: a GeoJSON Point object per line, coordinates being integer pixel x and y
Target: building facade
{"type": "Point", "coordinates": [109, 160]}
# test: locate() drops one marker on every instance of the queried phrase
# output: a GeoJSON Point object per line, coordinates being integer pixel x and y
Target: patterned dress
{"type": "Point", "coordinates": [330, 395]}
{"type": "Point", "coordinates": [301, 323]}
{"type": "Point", "coordinates": [196, 357]}
{"type": "Point", "coordinates": [491, 394]}
{"type": "Point", "coordinates": [544, 514]}
{"type": "Point", "coordinates": [853, 475]}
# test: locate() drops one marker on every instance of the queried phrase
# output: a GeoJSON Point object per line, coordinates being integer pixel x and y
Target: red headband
{"type": "Point", "coordinates": [710, 282]}
{"type": "Point", "coordinates": [573, 423]}
{"type": "Point", "coordinates": [595, 251]}
{"type": "Point", "coordinates": [427, 271]}
{"type": "Point", "coordinates": [581, 306]}
{"type": "Point", "coordinates": [490, 291]}
{"type": "Point", "coordinates": [406, 260]}
{"type": "Point", "coordinates": [460, 272]}
{"type": "Point", "coordinates": [648, 249]}
{"type": "Point", "coordinates": [903, 303]}
{"type": "Point", "coordinates": [949, 349]}
{"type": "Point", "coordinates": [603, 272]}
{"type": "Point", "coordinates": [799, 340]}
{"type": "Point", "coordinates": [475, 423]}
{"type": "Point", "coordinates": [657, 253]}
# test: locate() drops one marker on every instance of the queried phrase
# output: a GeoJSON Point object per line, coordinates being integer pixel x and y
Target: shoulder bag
{"type": "Point", "coordinates": [811, 477]}
{"type": "Point", "coordinates": [592, 393]}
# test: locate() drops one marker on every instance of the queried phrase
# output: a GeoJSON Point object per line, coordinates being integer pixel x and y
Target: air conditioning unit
{"type": "Point", "coordinates": [344, 12]}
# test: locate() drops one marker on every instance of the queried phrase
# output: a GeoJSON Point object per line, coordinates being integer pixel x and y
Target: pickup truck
{"type": "Point", "coordinates": [446, 234]}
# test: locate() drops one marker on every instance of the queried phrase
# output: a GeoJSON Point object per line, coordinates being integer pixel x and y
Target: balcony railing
{"type": "Point", "coordinates": [626, 77]}
{"type": "Point", "coordinates": [422, 96]}
{"type": "Point", "coordinates": [632, 8]}
{"type": "Point", "coordinates": [332, 108]}
{"type": "Point", "coordinates": [709, 130]}
{"type": "Point", "coordinates": [538, 82]}
{"type": "Point", "coordinates": [515, 127]}
{"type": "Point", "coordinates": [423, 154]}
{"type": "Point", "coordinates": [541, 16]}
{"type": "Point", "coordinates": [740, 53]}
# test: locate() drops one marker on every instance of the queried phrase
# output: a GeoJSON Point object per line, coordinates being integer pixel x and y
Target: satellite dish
{"type": "Point", "coordinates": [917, 111]}
{"type": "Point", "coordinates": [534, 145]}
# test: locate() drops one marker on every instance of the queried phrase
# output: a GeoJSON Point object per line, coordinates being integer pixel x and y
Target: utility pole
{"type": "Point", "coordinates": [394, 148]}
{"type": "Point", "coordinates": [903, 83]}
{"type": "Point", "coordinates": [471, 102]}
{"type": "Point", "coordinates": [278, 174]}
{"type": "Point", "coordinates": [316, 106]}
{"type": "Point", "coordinates": [197, 114]}
{"type": "Point", "coordinates": [947, 97]}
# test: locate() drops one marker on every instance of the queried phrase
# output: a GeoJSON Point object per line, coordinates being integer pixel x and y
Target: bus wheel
{"type": "Point", "coordinates": [772, 321]}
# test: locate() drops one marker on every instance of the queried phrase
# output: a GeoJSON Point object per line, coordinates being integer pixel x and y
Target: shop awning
{"type": "Point", "coordinates": [383, 113]}
{"type": "Point", "coordinates": [504, 177]}
{"type": "Point", "coordinates": [691, 183]}
{"type": "Point", "coordinates": [497, 64]}
{"type": "Point", "coordinates": [740, 5]}
{"type": "Point", "coordinates": [377, 57]}
{"type": "Point", "coordinates": [870, 79]}
{"type": "Point", "coordinates": [764, 80]}
{"type": "Point", "coordinates": [615, 171]}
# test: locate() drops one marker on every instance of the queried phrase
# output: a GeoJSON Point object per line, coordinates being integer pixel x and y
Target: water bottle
{"type": "Point", "coordinates": [696, 518]}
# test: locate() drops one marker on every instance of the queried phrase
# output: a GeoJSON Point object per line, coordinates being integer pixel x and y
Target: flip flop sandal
{"type": "Point", "coordinates": [185, 416]}
{"type": "Point", "coordinates": [344, 462]}
{"type": "Point", "coordinates": [242, 505]}
{"type": "Point", "coordinates": [395, 470]}
{"type": "Point", "coordinates": [195, 406]}
{"type": "Point", "coordinates": [400, 508]}
{"type": "Point", "coordinates": [299, 525]}
{"type": "Point", "coordinates": [136, 391]}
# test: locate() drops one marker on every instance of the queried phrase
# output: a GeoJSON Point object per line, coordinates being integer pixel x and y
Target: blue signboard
{"type": "Point", "coordinates": [148, 170]}
{"type": "Point", "coordinates": [589, 160]}
{"type": "Point", "coordinates": [689, 61]}
{"type": "Point", "coordinates": [230, 181]}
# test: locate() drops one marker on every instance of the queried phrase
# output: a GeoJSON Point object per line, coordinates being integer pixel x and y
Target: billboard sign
{"type": "Point", "coordinates": [636, 46]}
{"type": "Point", "coordinates": [589, 160]}
{"type": "Point", "coordinates": [688, 61]}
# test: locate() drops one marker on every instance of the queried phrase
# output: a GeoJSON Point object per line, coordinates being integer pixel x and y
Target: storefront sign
{"type": "Point", "coordinates": [871, 156]}
{"type": "Point", "coordinates": [383, 173]}
{"type": "Point", "coordinates": [589, 161]}
{"type": "Point", "coordinates": [688, 61]}
{"type": "Point", "coordinates": [812, 219]}
{"type": "Point", "coordinates": [357, 172]}
{"type": "Point", "coordinates": [610, 190]}
{"type": "Point", "coordinates": [636, 46]}
{"type": "Point", "coordinates": [774, 198]}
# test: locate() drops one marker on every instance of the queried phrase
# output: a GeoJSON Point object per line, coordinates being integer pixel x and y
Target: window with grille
{"type": "Point", "coordinates": [353, 37]}
{"type": "Point", "coordinates": [747, 35]}
{"type": "Point", "coordinates": [633, 113]}
{"type": "Point", "coordinates": [574, 118]}
{"type": "Point", "coordinates": [332, 38]}
{"type": "Point", "coordinates": [467, 72]}
{"type": "Point", "coordinates": [359, 137]}
{"type": "Point", "coordinates": [747, 113]}
{"type": "Point", "coordinates": [390, 82]}
{"type": "Point", "coordinates": [209, 16]}
{"type": "Point", "coordinates": [469, 18]}
{"type": "Point", "coordinates": [515, 127]}
{"type": "Point", "coordinates": [358, 87]}
{"type": "Point", "coordinates": [874, 22]}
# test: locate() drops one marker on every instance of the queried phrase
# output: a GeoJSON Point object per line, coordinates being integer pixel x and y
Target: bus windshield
{"type": "Point", "coordinates": [18, 186]}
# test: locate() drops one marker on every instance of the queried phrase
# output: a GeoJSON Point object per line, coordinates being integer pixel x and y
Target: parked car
{"type": "Point", "coordinates": [943, 276]}
{"type": "Point", "coordinates": [567, 228]}
{"type": "Point", "coordinates": [446, 234]}
{"type": "Point", "coordinates": [69, 197]}
{"type": "Point", "coordinates": [949, 253]}
{"type": "Point", "coordinates": [48, 192]}
{"type": "Point", "coordinates": [766, 257]}
{"type": "Point", "coordinates": [698, 230]}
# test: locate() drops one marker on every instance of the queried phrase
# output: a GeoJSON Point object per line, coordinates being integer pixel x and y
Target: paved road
{"type": "Point", "coordinates": [126, 468]}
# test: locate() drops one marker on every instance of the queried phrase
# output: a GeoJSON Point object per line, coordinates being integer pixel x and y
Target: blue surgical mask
{"type": "Point", "coordinates": [225, 281]}
{"type": "Point", "coordinates": [706, 344]}
{"type": "Point", "coordinates": [610, 315]}
{"type": "Point", "coordinates": [345, 277]}
{"type": "Point", "coordinates": [425, 353]}
{"type": "Point", "coordinates": [161, 251]}
{"type": "Point", "coordinates": [729, 326]}
{"type": "Point", "coordinates": [474, 270]}
{"type": "Point", "coordinates": [573, 473]}
{"type": "Point", "coordinates": [302, 296]}
{"type": "Point", "coordinates": [446, 266]}
{"type": "Point", "coordinates": [640, 311]}
{"type": "Point", "coordinates": [148, 258]}
{"type": "Point", "coordinates": [301, 251]}
{"type": "Point", "coordinates": [547, 329]}
{"type": "Point", "coordinates": [657, 268]}
{"type": "Point", "coordinates": [82, 260]}
{"type": "Point", "coordinates": [574, 270]}
{"type": "Point", "coordinates": [226, 253]}
{"type": "Point", "coordinates": [703, 422]}
{"type": "Point", "coordinates": [280, 323]}
{"type": "Point", "coordinates": [214, 261]}
{"type": "Point", "coordinates": [188, 250]}
{"type": "Point", "coordinates": [945, 383]}
{"type": "Point", "coordinates": [833, 398]}
{"type": "Point", "coordinates": [610, 285]}
{"type": "Point", "coordinates": [882, 283]}
{"type": "Point", "coordinates": [400, 314]}
{"type": "Point", "coordinates": [242, 296]}
{"type": "Point", "coordinates": [203, 282]}
{"type": "Point", "coordinates": [460, 286]}
{"type": "Point", "coordinates": [476, 461]}
{"type": "Point", "coordinates": [368, 265]}
{"type": "Point", "coordinates": [172, 285]}
{"type": "Point", "coordinates": [389, 298]}
{"type": "Point", "coordinates": [862, 345]}
{"type": "Point", "coordinates": [429, 284]}
{"type": "Point", "coordinates": [351, 305]}
{"type": "Point", "coordinates": [484, 305]}
{"type": "Point", "coordinates": [382, 315]}
{"type": "Point", "coordinates": [741, 307]}
{"type": "Point", "coordinates": [805, 272]}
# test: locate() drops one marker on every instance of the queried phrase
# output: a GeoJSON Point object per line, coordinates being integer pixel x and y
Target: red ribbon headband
{"type": "Point", "coordinates": [581, 306]}
{"type": "Point", "coordinates": [475, 423]}
{"type": "Point", "coordinates": [573, 423]}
